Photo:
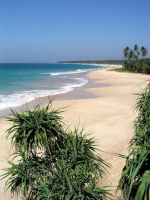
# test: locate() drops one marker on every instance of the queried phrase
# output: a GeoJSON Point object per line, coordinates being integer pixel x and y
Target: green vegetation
{"type": "Point", "coordinates": [134, 63]}
{"type": "Point", "coordinates": [115, 62]}
{"type": "Point", "coordinates": [51, 162]}
{"type": "Point", "coordinates": [118, 70]}
{"type": "Point", "coordinates": [122, 70]}
{"type": "Point", "coordinates": [135, 178]}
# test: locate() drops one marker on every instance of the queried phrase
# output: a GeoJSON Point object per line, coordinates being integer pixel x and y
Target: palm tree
{"type": "Point", "coordinates": [144, 51]}
{"type": "Point", "coordinates": [136, 51]}
{"type": "Point", "coordinates": [126, 52]}
{"type": "Point", "coordinates": [131, 54]}
{"type": "Point", "coordinates": [136, 48]}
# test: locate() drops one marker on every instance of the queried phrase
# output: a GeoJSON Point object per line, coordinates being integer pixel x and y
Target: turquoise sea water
{"type": "Point", "coordinates": [21, 83]}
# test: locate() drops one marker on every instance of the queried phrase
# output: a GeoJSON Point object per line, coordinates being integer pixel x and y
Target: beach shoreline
{"type": "Point", "coordinates": [26, 82]}
{"type": "Point", "coordinates": [66, 95]}
{"type": "Point", "coordinates": [109, 115]}
{"type": "Point", "coordinates": [75, 93]}
{"type": "Point", "coordinates": [82, 93]}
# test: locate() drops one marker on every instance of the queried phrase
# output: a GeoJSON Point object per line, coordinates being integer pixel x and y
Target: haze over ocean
{"type": "Point", "coordinates": [21, 83]}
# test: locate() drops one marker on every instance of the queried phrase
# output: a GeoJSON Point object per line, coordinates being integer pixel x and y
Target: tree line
{"type": "Point", "coordinates": [115, 62]}
{"type": "Point", "coordinates": [134, 62]}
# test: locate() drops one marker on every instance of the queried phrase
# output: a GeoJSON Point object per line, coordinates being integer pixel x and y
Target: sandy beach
{"type": "Point", "coordinates": [109, 115]}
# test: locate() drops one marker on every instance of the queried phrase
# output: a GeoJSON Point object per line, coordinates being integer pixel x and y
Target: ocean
{"type": "Point", "coordinates": [21, 83]}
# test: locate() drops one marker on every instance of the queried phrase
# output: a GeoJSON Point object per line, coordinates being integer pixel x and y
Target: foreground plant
{"type": "Point", "coordinates": [135, 178]}
{"type": "Point", "coordinates": [37, 136]}
{"type": "Point", "coordinates": [77, 175]}
{"type": "Point", "coordinates": [50, 161]}
{"type": "Point", "coordinates": [40, 129]}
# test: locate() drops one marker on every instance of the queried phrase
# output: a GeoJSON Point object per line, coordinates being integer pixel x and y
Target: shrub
{"type": "Point", "coordinates": [135, 177]}
{"type": "Point", "coordinates": [50, 161]}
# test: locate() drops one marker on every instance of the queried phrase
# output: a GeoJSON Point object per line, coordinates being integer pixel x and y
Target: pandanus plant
{"type": "Point", "coordinates": [37, 136]}
{"type": "Point", "coordinates": [135, 177]}
{"type": "Point", "coordinates": [51, 162]}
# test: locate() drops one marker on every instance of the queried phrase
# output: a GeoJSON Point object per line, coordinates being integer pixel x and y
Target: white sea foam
{"type": "Point", "coordinates": [17, 99]}
{"type": "Point", "coordinates": [64, 73]}
{"type": "Point", "coordinates": [79, 70]}
{"type": "Point", "coordinates": [68, 72]}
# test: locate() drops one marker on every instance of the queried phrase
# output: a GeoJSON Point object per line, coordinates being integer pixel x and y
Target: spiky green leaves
{"type": "Point", "coordinates": [143, 191]}
{"type": "Point", "coordinates": [134, 182]}
{"type": "Point", "coordinates": [37, 129]}
{"type": "Point", "coordinates": [52, 162]}
{"type": "Point", "coordinates": [77, 174]}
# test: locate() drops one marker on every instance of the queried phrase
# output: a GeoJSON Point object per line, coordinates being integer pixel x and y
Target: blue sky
{"type": "Point", "coordinates": [53, 30]}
